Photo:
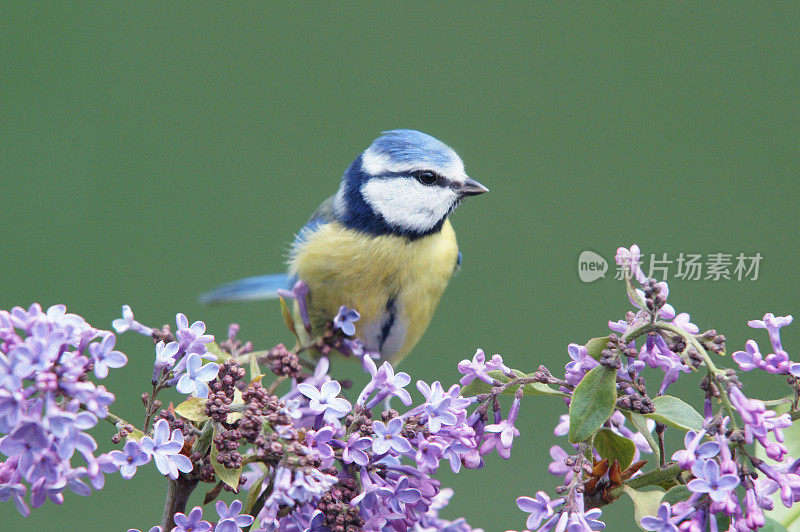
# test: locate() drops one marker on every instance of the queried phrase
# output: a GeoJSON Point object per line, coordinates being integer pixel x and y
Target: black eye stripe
{"type": "Point", "coordinates": [427, 177]}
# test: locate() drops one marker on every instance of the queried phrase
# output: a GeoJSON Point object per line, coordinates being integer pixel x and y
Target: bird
{"type": "Point", "coordinates": [383, 244]}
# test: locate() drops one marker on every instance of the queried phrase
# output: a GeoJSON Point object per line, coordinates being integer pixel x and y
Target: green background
{"type": "Point", "coordinates": [151, 151]}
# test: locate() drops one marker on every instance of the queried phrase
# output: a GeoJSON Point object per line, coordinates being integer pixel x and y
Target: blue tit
{"type": "Point", "coordinates": [382, 244]}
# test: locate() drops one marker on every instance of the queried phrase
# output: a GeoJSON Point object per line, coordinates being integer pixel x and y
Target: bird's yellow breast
{"type": "Point", "coordinates": [384, 277]}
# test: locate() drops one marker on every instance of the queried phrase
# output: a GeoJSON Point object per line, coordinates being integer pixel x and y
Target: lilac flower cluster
{"type": "Point", "coordinates": [230, 520]}
{"type": "Point", "coordinates": [719, 456]}
{"type": "Point", "coordinates": [777, 362]}
{"type": "Point", "coordinates": [162, 447]}
{"type": "Point", "coordinates": [544, 517]}
{"type": "Point", "coordinates": [328, 446]}
{"type": "Point", "coordinates": [328, 464]}
{"type": "Point", "coordinates": [668, 342]}
{"type": "Point", "coordinates": [48, 402]}
{"type": "Point", "coordinates": [316, 458]}
{"type": "Point", "coordinates": [179, 357]}
{"type": "Point", "coordinates": [719, 465]}
{"type": "Point", "coordinates": [719, 461]}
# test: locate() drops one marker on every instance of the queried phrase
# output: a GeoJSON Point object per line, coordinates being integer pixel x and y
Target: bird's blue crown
{"type": "Point", "coordinates": [410, 147]}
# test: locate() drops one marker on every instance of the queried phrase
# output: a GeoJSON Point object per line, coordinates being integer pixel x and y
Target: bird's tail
{"type": "Point", "coordinates": [248, 289]}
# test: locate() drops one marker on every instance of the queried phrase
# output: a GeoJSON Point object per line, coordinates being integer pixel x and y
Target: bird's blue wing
{"type": "Point", "coordinates": [267, 286]}
{"type": "Point", "coordinates": [324, 214]}
{"type": "Point", "coordinates": [250, 288]}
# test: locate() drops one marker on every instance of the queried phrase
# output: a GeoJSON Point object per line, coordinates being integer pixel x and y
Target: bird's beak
{"type": "Point", "coordinates": [471, 188]}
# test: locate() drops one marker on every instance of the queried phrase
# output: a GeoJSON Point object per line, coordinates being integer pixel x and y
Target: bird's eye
{"type": "Point", "coordinates": [426, 177]}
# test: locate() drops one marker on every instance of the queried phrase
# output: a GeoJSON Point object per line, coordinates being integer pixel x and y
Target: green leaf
{"type": "Point", "coordinates": [255, 370]}
{"type": "Point", "coordinates": [639, 422]}
{"type": "Point", "coordinates": [238, 400]}
{"type": "Point", "coordinates": [228, 476]}
{"type": "Point", "coordinates": [632, 294]}
{"type": "Point", "coordinates": [221, 354]}
{"type": "Point", "coordinates": [253, 493]}
{"type": "Point", "coordinates": [675, 413]}
{"type": "Point", "coordinates": [288, 320]}
{"type": "Point", "coordinates": [203, 441]}
{"type": "Point", "coordinates": [644, 502]}
{"type": "Point", "coordinates": [136, 435]}
{"type": "Point", "coordinates": [478, 387]}
{"type": "Point", "coordinates": [614, 447]}
{"type": "Point", "coordinates": [193, 409]}
{"type": "Point", "coordinates": [677, 494]}
{"type": "Point", "coordinates": [772, 525]}
{"type": "Point", "coordinates": [723, 521]}
{"type": "Point", "coordinates": [595, 346]}
{"type": "Point", "coordinates": [592, 403]}
{"type": "Point", "coordinates": [539, 388]}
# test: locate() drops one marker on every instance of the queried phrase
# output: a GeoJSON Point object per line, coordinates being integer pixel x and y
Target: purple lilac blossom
{"type": "Point", "coordinates": [104, 356]}
{"type": "Point", "coordinates": [724, 457]}
{"type": "Point", "coordinates": [197, 376]}
{"type": "Point", "coordinates": [580, 365]}
{"type": "Point", "coordinates": [127, 323]}
{"type": "Point", "coordinates": [345, 320]}
{"type": "Point", "coordinates": [385, 383]}
{"type": "Point", "coordinates": [629, 260]}
{"type": "Point", "coordinates": [325, 401]}
{"type": "Point", "coordinates": [354, 450]}
{"type": "Point", "coordinates": [617, 424]}
{"type": "Point", "coordinates": [290, 487]}
{"type": "Point", "coordinates": [299, 293]}
{"type": "Point", "coordinates": [562, 427]}
{"type": "Point", "coordinates": [388, 436]}
{"type": "Point", "coordinates": [129, 458]}
{"type": "Point", "coordinates": [539, 507]}
{"type": "Point", "coordinates": [397, 496]}
{"type": "Point", "coordinates": [662, 522]}
{"type": "Point", "coordinates": [48, 402]}
{"type": "Point", "coordinates": [501, 435]}
{"type": "Point", "coordinates": [558, 466]}
{"type": "Point", "coordinates": [786, 479]}
{"type": "Point", "coordinates": [192, 522]}
{"type": "Point", "coordinates": [192, 338]}
{"type": "Point", "coordinates": [479, 368]}
{"type": "Point", "coordinates": [759, 422]}
{"type": "Point", "coordinates": [656, 354]}
{"type": "Point", "coordinates": [174, 356]}
{"type": "Point", "coordinates": [451, 432]}
{"type": "Point", "coordinates": [717, 486]}
{"type": "Point", "coordinates": [772, 324]}
{"type": "Point", "coordinates": [165, 358]}
{"type": "Point", "coordinates": [165, 450]}
{"type": "Point", "coordinates": [695, 448]}
{"type": "Point", "coordinates": [777, 362]}
{"type": "Point", "coordinates": [575, 518]}
{"type": "Point", "coordinates": [440, 408]}
{"type": "Point", "coordinates": [11, 489]}
{"type": "Point", "coordinates": [230, 517]}
{"type": "Point", "coordinates": [754, 505]}
{"type": "Point", "coordinates": [683, 320]}
{"type": "Point", "coordinates": [317, 444]}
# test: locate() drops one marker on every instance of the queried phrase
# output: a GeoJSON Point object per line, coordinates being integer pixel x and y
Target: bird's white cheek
{"type": "Point", "coordinates": [408, 204]}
